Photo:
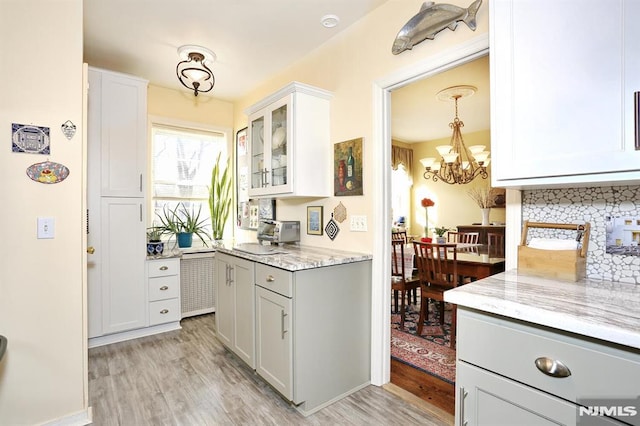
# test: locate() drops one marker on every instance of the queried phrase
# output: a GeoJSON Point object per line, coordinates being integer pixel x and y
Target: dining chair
{"type": "Point", "coordinates": [495, 242]}
{"type": "Point", "coordinates": [463, 237]}
{"type": "Point", "coordinates": [402, 279]}
{"type": "Point", "coordinates": [399, 236]}
{"type": "Point", "coordinates": [438, 272]}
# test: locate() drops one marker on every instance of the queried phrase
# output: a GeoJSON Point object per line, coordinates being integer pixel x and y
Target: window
{"type": "Point", "coordinates": [182, 160]}
{"type": "Point", "coordinates": [400, 196]}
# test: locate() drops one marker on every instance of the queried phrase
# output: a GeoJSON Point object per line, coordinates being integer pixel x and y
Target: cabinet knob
{"type": "Point", "coordinates": [164, 268]}
{"type": "Point", "coordinates": [552, 367]}
{"type": "Point", "coordinates": [164, 311]}
{"type": "Point", "coordinates": [164, 287]}
{"type": "Point", "coordinates": [270, 279]}
{"type": "Point", "coordinates": [91, 250]}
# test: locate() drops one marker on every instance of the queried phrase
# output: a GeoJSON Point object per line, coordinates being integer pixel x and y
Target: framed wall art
{"type": "Point", "coordinates": [347, 167]}
{"type": "Point", "coordinates": [314, 220]}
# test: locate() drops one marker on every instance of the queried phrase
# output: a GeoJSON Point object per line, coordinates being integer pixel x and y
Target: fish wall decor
{"type": "Point", "coordinates": [432, 19]}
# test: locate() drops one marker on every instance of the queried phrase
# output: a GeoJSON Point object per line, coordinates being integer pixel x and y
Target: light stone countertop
{"type": "Point", "coordinates": [297, 258]}
{"type": "Point", "coordinates": [604, 310]}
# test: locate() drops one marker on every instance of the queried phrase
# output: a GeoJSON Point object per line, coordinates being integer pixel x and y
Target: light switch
{"type": "Point", "coordinates": [46, 227]}
{"type": "Point", "coordinates": [358, 223]}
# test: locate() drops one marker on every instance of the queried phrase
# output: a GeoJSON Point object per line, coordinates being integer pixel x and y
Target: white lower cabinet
{"type": "Point", "coordinates": [235, 309]}
{"type": "Point", "coordinates": [274, 350]}
{"type": "Point", "coordinates": [163, 280]}
{"type": "Point", "coordinates": [500, 382]}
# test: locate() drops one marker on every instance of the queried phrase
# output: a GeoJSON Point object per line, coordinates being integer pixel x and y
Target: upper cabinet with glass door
{"type": "Point", "coordinates": [289, 136]}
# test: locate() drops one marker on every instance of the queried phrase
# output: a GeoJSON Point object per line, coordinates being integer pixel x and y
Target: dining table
{"type": "Point", "coordinates": [475, 261]}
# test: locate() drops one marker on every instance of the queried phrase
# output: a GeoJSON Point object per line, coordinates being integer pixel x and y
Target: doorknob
{"type": "Point", "coordinates": [91, 250]}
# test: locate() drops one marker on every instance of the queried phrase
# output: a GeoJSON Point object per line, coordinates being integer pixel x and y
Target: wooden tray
{"type": "Point", "coordinates": [569, 265]}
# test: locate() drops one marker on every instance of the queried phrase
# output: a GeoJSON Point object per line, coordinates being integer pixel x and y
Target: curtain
{"type": "Point", "coordinates": [402, 156]}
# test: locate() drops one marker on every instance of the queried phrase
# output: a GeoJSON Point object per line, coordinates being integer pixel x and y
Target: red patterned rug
{"type": "Point", "coordinates": [429, 352]}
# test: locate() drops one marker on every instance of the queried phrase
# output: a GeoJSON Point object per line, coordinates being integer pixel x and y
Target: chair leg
{"type": "Point", "coordinates": [402, 313]}
{"type": "Point", "coordinates": [441, 313]}
{"type": "Point", "coordinates": [395, 299]}
{"type": "Point", "coordinates": [424, 309]}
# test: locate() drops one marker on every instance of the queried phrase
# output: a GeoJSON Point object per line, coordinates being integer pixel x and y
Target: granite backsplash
{"type": "Point", "coordinates": [590, 204]}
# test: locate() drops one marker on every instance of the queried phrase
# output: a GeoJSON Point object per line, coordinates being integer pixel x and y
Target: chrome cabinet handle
{"type": "Point", "coordinates": [462, 394]}
{"type": "Point", "coordinates": [164, 311]}
{"type": "Point", "coordinates": [282, 316]}
{"type": "Point", "coordinates": [164, 268]}
{"type": "Point", "coordinates": [164, 287]}
{"type": "Point", "coordinates": [270, 279]}
{"type": "Point", "coordinates": [552, 367]}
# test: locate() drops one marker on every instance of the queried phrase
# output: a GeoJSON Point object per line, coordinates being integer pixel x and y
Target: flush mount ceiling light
{"type": "Point", "coordinates": [329, 21]}
{"type": "Point", "coordinates": [192, 71]}
{"type": "Point", "coordinates": [458, 164]}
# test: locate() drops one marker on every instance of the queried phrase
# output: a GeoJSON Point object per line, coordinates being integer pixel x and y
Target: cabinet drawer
{"type": "Point", "coordinates": [161, 288]}
{"type": "Point", "coordinates": [164, 311]}
{"type": "Point", "coordinates": [274, 279]}
{"type": "Point", "coordinates": [163, 267]}
{"type": "Point", "coordinates": [511, 348]}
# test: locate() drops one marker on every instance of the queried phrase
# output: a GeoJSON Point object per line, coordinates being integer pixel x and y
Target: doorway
{"type": "Point", "coordinates": [431, 66]}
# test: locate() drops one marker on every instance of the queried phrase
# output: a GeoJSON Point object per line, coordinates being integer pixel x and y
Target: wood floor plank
{"type": "Point", "coordinates": [186, 377]}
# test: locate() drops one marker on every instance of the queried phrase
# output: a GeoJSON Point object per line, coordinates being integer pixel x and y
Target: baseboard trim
{"type": "Point", "coordinates": [94, 342]}
{"type": "Point", "coordinates": [81, 418]}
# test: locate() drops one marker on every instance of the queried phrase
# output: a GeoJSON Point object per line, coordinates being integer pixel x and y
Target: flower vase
{"type": "Point", "coordinates": [485, 216]}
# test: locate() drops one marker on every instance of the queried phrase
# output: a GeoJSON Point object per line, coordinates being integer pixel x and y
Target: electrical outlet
{"type": "Point", "coordinates": [358, 223]}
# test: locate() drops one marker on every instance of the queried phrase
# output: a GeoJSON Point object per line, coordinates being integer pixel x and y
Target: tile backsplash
{"type": "Point", "coordinates": [590, 204]}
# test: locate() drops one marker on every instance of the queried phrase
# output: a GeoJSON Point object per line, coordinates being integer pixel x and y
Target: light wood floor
{"type": "Point", "coordinates": [186, 377]}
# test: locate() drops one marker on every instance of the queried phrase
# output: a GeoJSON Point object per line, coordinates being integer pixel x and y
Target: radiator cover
{"type": "Point", "coordinates": [196, 284]}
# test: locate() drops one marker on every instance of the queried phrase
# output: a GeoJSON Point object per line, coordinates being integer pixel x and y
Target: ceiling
{"type": "Point", "coordinates": [418, 116]}
{"type": "Point", "coordinates": [252, 39]}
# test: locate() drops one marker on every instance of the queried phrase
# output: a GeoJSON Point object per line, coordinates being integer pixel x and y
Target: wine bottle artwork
{"type": "Point", "coordinates": [351, 163]}
{"type": "Point", "coordinates": [348, 167]}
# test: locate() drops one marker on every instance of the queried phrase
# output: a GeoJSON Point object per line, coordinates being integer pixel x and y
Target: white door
{"type": "Point", "coordinates": [243, 286]}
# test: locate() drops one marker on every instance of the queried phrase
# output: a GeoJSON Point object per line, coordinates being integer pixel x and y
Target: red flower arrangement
{"type": "Point", "coordinates": [427, 202]}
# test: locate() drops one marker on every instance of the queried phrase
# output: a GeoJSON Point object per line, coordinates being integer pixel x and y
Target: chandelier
{"type": "Point", "coordinates": [192, 71]}
{"type": "Point", "coordinates": [458, 164]}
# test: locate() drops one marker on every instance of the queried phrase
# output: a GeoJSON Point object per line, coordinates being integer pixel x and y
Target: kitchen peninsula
{"type": "Point", "coordinates": [547, 345]}
{"type": "Point", "coordinates": [300, 316]}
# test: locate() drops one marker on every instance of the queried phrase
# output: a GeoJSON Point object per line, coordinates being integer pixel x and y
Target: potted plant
{"type": "Point", "coordinates": [219, 199]}
{"type": "Point", "coordinates": [440, 231]}
{"type": "Point", "coordinates": [183, 223]}
{"type": "Point", "coordinates": [155, 246]}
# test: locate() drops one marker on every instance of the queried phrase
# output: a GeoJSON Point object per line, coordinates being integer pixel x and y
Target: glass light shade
{"type": "Point", "coordinates": [474, 149]}
{"type": "Point", "coordinates": [465, 165]}
{"type": "Point", "coordinates": [481, 156]}
{"type": "Point", "coordinates": [444, 149]}
{"type": "Point", "coordinates": [427, 162]}
{"type": "Point", "coordinates": [435, 167]}
{"type": "Point", "coordinates": [450, 158]}
{"type": "Point", "coordinates": [194, 74]}
{"type": "Point", "coordinates": [486, 162]}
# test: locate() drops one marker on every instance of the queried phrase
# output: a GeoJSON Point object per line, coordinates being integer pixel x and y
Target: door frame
{"type": "Point", "coordinates": [381, 292]}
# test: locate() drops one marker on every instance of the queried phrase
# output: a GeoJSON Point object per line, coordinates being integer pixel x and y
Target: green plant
{"type": "Point", "coordinates": [181, 219]}
{"type": "Point", "coordinates": [440, 231]}
{"type": "Point", "coordinates": [219, 198]}
{"type": "Point", "coordinates": [154, 233]}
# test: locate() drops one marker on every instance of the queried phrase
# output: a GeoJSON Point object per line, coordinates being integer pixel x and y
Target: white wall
{"type": "Point", "coordinates": [43, 374]}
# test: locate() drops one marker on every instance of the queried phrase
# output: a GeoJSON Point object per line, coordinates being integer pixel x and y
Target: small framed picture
{"type": "Point", "coordinates": [314, 220]}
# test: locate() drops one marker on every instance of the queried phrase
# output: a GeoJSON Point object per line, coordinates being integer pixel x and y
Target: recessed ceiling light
{"type": "Point", "coordinates": [329, 21]}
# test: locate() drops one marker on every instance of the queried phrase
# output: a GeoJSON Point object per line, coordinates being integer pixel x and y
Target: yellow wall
{"type": "Point", "coordinates": [348, 65]}
{"type": "Point", "coordinates": [42, 376]}
{"type": "Point", "coordinates": [453, 206]}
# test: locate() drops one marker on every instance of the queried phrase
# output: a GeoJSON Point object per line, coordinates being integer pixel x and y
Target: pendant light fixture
{"type": "Point", "coordinates": [193, 71]}
{"type": "Point", "coordinates": [458, 164]}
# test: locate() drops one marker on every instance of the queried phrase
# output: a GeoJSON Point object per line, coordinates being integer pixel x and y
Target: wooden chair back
{"type": "Point", "coordinates": [397, 259]}
{"type": "Point", "coordinates": [399, 236]}
{"type": "Point", "coordinates": [468, 237]}
{"type": "Point", "coordinates": [452, 237]}
{"type": "Point", "coordinates": [495, 242]}
{"type": "Point", "coordinates": [437, 265]}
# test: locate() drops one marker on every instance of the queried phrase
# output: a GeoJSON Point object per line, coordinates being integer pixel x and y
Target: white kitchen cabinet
{"type": "Point", "coordinates": [163, 281]}
{"type": "Point", "coordinates": [301, 339]}
{"type": "Point", "coordinates": [122, 279]}
{"type": "Point", "coordinates": [274, 350]}
{"type": "Point", "coordinates": [117, 106]}
{"type": "Point", "coordinates": [562, 98]}
{"type": "Point", "coordinates": [288, 137]}
{"type": "Point", "coordinates": [235, 313]}
{"type": "Point", "coordinates": [505, 386]}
